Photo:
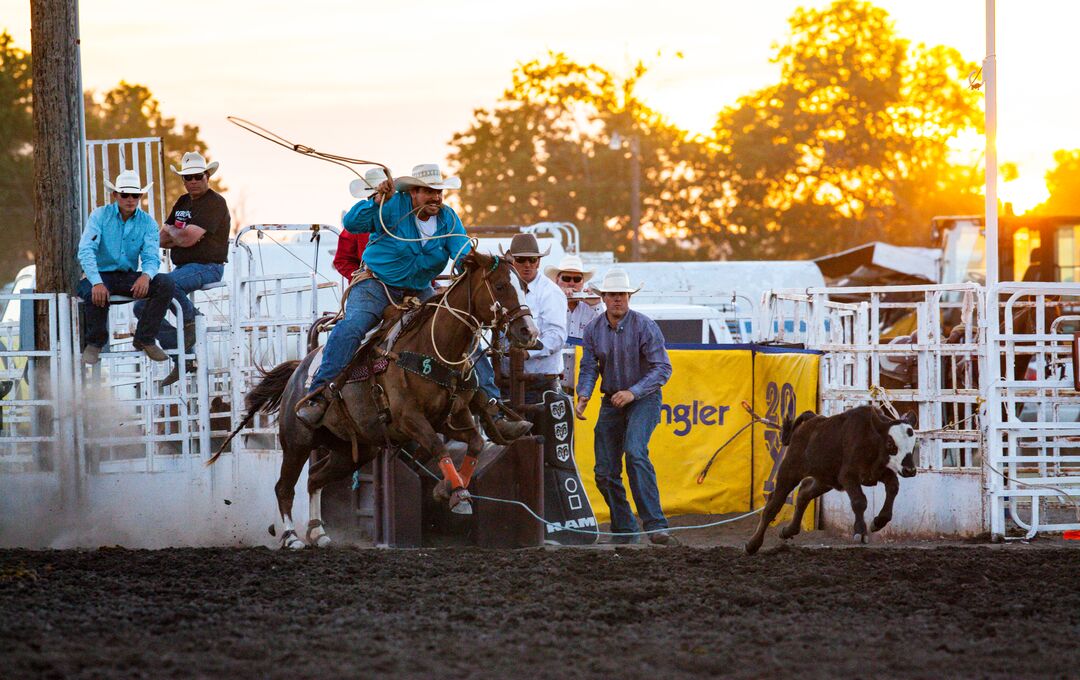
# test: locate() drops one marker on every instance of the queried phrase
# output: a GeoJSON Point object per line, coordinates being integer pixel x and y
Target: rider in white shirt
{"type": "Point", "coordinates": [548, 305]}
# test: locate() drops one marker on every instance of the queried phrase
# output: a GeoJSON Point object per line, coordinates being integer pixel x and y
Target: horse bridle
{"type": "Point", "coordinates": [501, 317]}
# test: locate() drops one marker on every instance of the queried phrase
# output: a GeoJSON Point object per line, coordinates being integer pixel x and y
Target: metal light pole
{"type": "Point", "coordinates": [990, 80]}
{"type": "Point", "coordinates": [989, 376]}
{"type": "Point", "coordinates": [635, 199]}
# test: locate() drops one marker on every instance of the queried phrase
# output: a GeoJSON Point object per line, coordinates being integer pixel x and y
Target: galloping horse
{"type": "Point", "coordinates": [420, 392]}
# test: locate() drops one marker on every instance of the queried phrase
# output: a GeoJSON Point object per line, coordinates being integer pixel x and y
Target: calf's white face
{"type": "Point", "coordinates": [901, 460]}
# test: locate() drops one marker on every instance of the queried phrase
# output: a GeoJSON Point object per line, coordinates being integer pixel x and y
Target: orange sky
{"type": "Point", "coordinates": [394, 81]}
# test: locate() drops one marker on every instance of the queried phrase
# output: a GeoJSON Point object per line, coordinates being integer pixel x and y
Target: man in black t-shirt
{"type": "Point", "coordinates": [197, 234]}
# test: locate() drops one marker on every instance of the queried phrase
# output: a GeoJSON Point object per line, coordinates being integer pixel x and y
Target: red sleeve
{"type": "Point", "coordinates": [350, 248]}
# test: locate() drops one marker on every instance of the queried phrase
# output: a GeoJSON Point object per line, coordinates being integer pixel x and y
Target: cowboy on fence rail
{"type": "Point", "coordinates": [118, 252]}
{"type": "Point", "coordinates": [197, 234]}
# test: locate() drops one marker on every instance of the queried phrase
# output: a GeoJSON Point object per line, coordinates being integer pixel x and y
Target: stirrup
{"type": "Point", "coordinates": [310, 398]}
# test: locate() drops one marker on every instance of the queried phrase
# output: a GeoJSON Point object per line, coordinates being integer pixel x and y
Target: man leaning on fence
{"type": "Point", "coordinates": [118, 252]}
{"type": "Point", "coordinates": [196, 232]}
{"type": "Point", "coordinates": [626, 349]}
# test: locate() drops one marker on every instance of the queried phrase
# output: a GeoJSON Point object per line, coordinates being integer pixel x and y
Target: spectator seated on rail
{"type": "Point", "coordinates": [118, 252]}
{"type": "Point", "coordinates": [196, 232]}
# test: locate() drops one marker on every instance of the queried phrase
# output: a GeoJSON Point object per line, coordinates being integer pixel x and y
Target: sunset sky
{"type": "Point", "coordinates": [393, 82]}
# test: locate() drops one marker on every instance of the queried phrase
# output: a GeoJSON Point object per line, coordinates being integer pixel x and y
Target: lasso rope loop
{"type": "Point", "coordinates": [344, 161]}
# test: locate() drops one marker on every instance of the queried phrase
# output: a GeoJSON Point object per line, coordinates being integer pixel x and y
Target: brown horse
{"type": "Point", "coordinates": [439, 340]}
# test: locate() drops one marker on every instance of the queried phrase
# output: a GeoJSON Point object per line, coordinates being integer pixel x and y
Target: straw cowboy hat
{"type": "Point", "coordinates": [616, 281]}
{"type": "Point", "coordinates": [569, 263]}
{"type": "Point", "coordinates": [365, 188]}
{"type": "Point", "coordinates": [427, 175]}
{"type": "Point", "coordinates": [127, 182]}
{"type": "Point", "coordinates": [193, 163]}
{"type": "Point", "coordinates": [524, 245]}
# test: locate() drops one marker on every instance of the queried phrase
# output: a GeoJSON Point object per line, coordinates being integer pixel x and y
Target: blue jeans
{"type": "Point", "coordinates": [188, 278]}
{"type": "Point", "coordinates": [628, 430]}
{"type": "Point", "coordinates": [363, 311]}
{"type": "Point", "coordinates": [120, 283]}
{"type": "Point", "coordinates": [485, 374]}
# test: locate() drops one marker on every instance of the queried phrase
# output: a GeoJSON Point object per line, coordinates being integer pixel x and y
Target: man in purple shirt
{"type": "Point", "coordinates": [626, 348]}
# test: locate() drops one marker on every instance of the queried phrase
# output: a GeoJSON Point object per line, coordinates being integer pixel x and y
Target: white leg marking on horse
{"type": "Point", "coordinates": [316, 535]}
{"type": "Point", "coordinates": [289, 539]}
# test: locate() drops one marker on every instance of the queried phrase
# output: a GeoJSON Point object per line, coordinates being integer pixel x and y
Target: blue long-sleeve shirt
{"type": "Point", "coordinates": [630, 356]}
{"type": "Point", "coordinates": [406, 264]}
{"type": "Point", "coordinates": [110, 243]}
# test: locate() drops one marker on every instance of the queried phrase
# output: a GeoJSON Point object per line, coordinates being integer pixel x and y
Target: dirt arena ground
{"type": "Point", "coordinates": [821, 608]}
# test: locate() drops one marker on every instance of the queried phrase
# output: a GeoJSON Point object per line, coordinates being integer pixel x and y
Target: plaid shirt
{"type": "Point", "coordinates": [630, 356]}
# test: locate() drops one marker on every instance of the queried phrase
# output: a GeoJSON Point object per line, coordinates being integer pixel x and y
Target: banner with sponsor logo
{"type": "Point", "coordinates": [785, 385]}
{"type": "Point", "coordinates": [701, 409]}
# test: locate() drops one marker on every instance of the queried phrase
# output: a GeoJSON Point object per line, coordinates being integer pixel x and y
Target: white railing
{"type": "Point", "coordinates": [891, 338]}
{"type": "Point", "coordinates": [36, 426]}
{"type": "Point", "coordinates": [993, 397]}
{"type": "Point", "coordinates": [105, 160]}
{"type": "Point", "coordinates": [1033, 407]}
{"type": "Point", "coordinates": [271, 313]}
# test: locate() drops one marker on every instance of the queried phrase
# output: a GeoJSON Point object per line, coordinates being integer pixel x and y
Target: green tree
{"type": "Point", "coordinates": [16, 158]}
{"type": "Point", "coordinates": [851, 145]}
{"type": "Point", "coordinates": [545, 152]}
{"type": "Point", "coordinates": [1063, 182]}
{"type": "Point", "coordinates": [128, 111]}
{"type": "Point", "coordinates": [124, 111]}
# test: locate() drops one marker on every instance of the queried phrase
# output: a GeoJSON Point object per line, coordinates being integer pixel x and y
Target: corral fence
{"type": "Point", "coordinates": [990, 378]}
{"type": "Point", "coordinates": [110, 437]}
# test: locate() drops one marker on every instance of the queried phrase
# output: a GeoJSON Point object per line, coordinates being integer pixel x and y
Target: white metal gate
{"type": "Point", "coordinates": [105, 159]}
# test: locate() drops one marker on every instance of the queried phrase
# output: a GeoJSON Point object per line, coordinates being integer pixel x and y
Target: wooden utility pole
{"type": "Point", "coordinates": [57, 141]}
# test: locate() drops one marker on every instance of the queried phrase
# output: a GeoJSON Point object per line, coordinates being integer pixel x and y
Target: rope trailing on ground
{"type": "Point", "coordinates": [492, 499]}
{"type": "Point", "coordinates": [754, 418]}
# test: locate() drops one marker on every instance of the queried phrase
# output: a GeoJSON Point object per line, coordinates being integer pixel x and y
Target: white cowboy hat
{"type": "Point", "coordinates": [193, 163]}
{"type": "Point", "coordinates": [365, 188]}
{"type": "Point", "coordinates": [127, 182]}
{"type": "Point", "coordinates": [616, 281]}
{"type": "Point", "coordinates": [427, 175]}
{"type": "Point", "coordinates": [570, 263]}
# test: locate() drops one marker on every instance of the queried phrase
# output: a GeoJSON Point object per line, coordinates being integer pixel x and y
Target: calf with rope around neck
{"type": "Point", "coordinates": [421, 392]}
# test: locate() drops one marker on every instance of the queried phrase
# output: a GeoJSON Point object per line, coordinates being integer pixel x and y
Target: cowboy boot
{"type": "Point", "coordinates": [312, 408]}
{"type": "Point", "coordinates": [505, 429]}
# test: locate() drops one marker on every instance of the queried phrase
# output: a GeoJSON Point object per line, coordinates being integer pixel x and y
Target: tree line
{"type": "Point", "coordinates": [127, 110]}
{"type": "Point", "coordinates": [850, 145]}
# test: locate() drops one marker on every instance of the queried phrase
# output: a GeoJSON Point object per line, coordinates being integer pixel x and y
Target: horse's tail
{"type": "Point", "coordinates": [791, 425]}
{"type": "Point", "coordinates": [266, 397]}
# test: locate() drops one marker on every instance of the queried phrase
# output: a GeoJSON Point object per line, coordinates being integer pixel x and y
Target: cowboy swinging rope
{"type": "Point", "coordinates": [348, 163]}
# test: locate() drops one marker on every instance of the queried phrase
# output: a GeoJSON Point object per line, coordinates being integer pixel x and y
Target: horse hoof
{"type": "Point", "coordinates": [859, 538]}
{"type": "Point", "coordinates": [462, 508]}
{"type": "Point", "coordinates": [291, 541]}
{"type": "Point", "coordinates": [787, 531]}
{"type": "Point", "coordinates": [441, 492]}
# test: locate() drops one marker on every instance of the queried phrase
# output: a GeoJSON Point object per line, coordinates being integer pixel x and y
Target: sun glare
{"type": "Point", "coordinates": [1026, 191]}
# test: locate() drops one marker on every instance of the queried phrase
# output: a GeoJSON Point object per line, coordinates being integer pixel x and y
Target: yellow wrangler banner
{"type": "Point", "coordinates": [701, 410]}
